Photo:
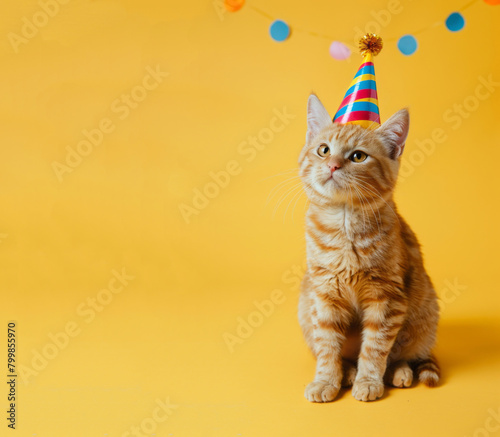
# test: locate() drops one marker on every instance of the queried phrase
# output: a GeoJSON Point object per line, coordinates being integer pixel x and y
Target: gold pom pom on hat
{"type": "Point", "coordinates": [370, 43]}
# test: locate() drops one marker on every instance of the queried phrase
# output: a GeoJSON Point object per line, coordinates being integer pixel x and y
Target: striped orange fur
{"type": "Point", "coordinates": [367, 307]}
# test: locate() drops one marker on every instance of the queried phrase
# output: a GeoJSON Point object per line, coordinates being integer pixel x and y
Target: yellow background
{"type": "Point", "coordinates": [163, 335]}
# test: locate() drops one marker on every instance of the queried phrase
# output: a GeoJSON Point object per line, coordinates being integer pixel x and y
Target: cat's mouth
{"type": "Point", "coordinates": [333, 180]}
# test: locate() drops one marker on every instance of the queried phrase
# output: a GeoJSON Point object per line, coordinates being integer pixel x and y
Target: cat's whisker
{"type": "Point", "coordinates": [302, 192]}
{"type": "Point", "coordinates": [369, 187]}
{"type": "Point", "coordinates": [284, 196]}
{"type": "Point", "coordinates": [291, 195]}
{"type": "Point", "coordinates": [294, 169]}
{"type": "Point", "coordinates": [356, 192]}
{"type": "Point", "coordinates": [351, 202]}
{"type": "Point", "coordinates": [359, 195]}
{"type": "Point", "coordinates": [351, 198]}
{"type": "Point", "coordinates": [295, 204]}
{"type": "Point", "coordinates": [306, 204]}
{"type": "Point", "coordinates": [279, 186]}
{"type": "Point", "coordinates": [375, 214]}
{"type": "Point", "coordinates": [294, 197]}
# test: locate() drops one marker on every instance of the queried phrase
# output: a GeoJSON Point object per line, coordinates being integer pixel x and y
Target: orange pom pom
{"type": "Point", "coordinates": [234, 5]}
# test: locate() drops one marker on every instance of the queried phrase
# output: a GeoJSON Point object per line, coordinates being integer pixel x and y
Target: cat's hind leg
{"type": "Point", "coordinates": [399, 374]}
{"type": "Point", "coordinates": [349, 373]}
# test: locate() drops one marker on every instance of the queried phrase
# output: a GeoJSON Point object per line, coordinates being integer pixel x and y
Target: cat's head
{"type": "Point", "coordinates": [340, 161]}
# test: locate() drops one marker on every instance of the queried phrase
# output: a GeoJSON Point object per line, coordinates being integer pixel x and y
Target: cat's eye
{"type": "Point", "coordinates": [323, 150]}
{"type": "Point", "coordinates": [358, 156]}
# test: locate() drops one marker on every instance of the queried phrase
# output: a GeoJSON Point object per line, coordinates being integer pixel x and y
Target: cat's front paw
{"type": "Point", "coordinates": [367, 389]}
{"type": "Point", "coordinates": [321, 391]}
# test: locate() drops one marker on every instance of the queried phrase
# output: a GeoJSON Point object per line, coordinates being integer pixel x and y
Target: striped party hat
{"type": "Point", "coordinates": [360, 104]}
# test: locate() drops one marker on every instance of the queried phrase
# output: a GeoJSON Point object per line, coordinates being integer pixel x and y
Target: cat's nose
{"type": "Point", "coordinates": [334, 165]}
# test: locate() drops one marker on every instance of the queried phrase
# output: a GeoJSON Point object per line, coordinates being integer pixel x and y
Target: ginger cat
{"type": "Point", "coordinates": [367, 308]}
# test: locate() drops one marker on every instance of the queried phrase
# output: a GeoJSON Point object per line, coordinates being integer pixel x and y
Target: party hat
{"type": "Point", "coordinates": [360, 104]}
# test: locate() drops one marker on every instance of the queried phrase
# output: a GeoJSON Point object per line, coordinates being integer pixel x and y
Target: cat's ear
{"type": "Point", "coordinates": [394, 132]}
{"type": "Point", "coordinates": [317, 117]}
